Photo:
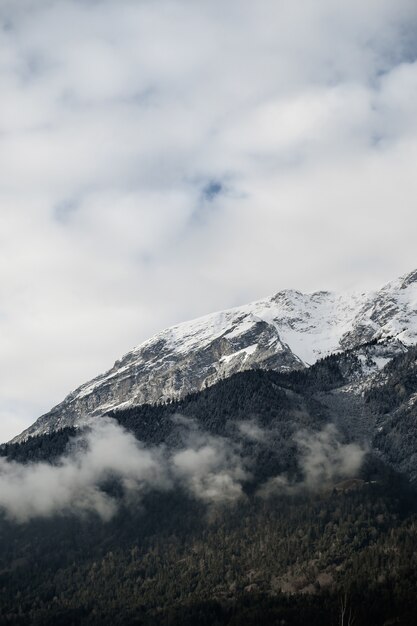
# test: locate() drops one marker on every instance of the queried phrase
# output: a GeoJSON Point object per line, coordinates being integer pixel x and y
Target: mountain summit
{"type": "Point", "coordinates": [289, 330]}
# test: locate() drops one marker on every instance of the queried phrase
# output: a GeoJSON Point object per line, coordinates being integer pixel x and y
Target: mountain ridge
{"type": "Point", "coordinates": [323, 470]}
{"type": "Point", "coordinates": [287, 331]}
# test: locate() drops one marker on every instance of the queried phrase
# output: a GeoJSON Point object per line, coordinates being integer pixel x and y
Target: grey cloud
{"type": "Point", "coordinates": [74, 484]}
{"type": "Point", "coordinates": [323, 460]}
{"type": "Point", "coordinates": [63, 210]}
{"type": "Point", "coordinates": [251, 430]}
{"type": "Point", "coordinates": [210, 472]}
{"type": "Point", "coordinates": [208, 468]}
{"type": "Point", "coordinates": [211, 468]}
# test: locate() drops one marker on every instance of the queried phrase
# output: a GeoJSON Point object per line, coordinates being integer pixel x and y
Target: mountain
{"type": "Point", "coordinates": [281, 494]}
{"type": "Point", "coordinates": [285, 332]}
{"type": "Point", "coordinates": [289, 551]}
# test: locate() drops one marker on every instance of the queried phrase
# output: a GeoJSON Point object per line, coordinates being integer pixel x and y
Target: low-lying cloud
{"type": "Point", "coordinates": [323, 459]}
{"type": "Point", "coordinates": [74, 484]}
{"type": "Point", "coordinates": [251, 430]}
{"type": "Point", "coordinates": [207, 467]}
{"type": "Point", "coordinates": [211, 468]}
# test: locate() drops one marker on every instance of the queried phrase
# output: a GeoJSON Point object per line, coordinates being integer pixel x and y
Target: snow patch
{"type": "Point", "coordinates": [245, 352]}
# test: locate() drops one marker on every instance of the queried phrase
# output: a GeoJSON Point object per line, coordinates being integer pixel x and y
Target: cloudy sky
{"type": "Point", "coordinates": [162, 159]}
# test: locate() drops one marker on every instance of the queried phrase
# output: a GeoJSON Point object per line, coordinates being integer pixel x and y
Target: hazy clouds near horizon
{"type": "Point", "coordinates": [160, 160]}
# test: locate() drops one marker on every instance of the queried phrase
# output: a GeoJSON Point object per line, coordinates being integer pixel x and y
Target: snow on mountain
{"type": "Point", "coordinates": [287, 331]}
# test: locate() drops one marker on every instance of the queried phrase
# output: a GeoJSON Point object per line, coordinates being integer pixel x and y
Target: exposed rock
{"type": "Point", "coordinates": [290, 330]}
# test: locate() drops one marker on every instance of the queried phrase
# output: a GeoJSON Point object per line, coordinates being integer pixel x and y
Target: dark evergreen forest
{"type": "Point", "coordinates": [341, 555]}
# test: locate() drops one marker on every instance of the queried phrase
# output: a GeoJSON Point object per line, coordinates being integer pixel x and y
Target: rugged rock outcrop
{"type": "Point", "coordinates": [290, 330]}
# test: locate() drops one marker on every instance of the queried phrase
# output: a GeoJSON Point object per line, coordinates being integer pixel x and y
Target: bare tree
{"type": "Point", "coordinates": [347, 617]}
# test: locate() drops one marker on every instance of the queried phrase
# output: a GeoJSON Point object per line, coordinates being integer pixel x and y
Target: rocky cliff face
{"type": "Point", "coordinates": [290, 330]}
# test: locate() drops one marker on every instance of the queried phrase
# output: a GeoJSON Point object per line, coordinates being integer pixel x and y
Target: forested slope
{"type": "Point", "coordinates": [285, 552]}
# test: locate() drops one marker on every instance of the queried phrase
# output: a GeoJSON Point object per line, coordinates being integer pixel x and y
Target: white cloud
{"type": "Point", "coordinates": [74, 485]}
{"type": "Point", "coordinates": [251, 430]}
{"type": "Point", "coordinates": [323, 460]}
{"type": "Point", "coordinates": [115, 116]}
{"type": "Point", "coordinates": [207, 467]}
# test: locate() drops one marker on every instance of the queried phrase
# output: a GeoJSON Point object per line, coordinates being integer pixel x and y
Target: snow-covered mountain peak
{"type": "Point", "coordinates": [289, 330]}
{"type": "Point", "coordinates": [409, 280]}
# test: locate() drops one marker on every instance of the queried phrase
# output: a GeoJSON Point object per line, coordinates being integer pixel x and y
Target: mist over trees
{"type": "Point", "coordinates": [256, 503]}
